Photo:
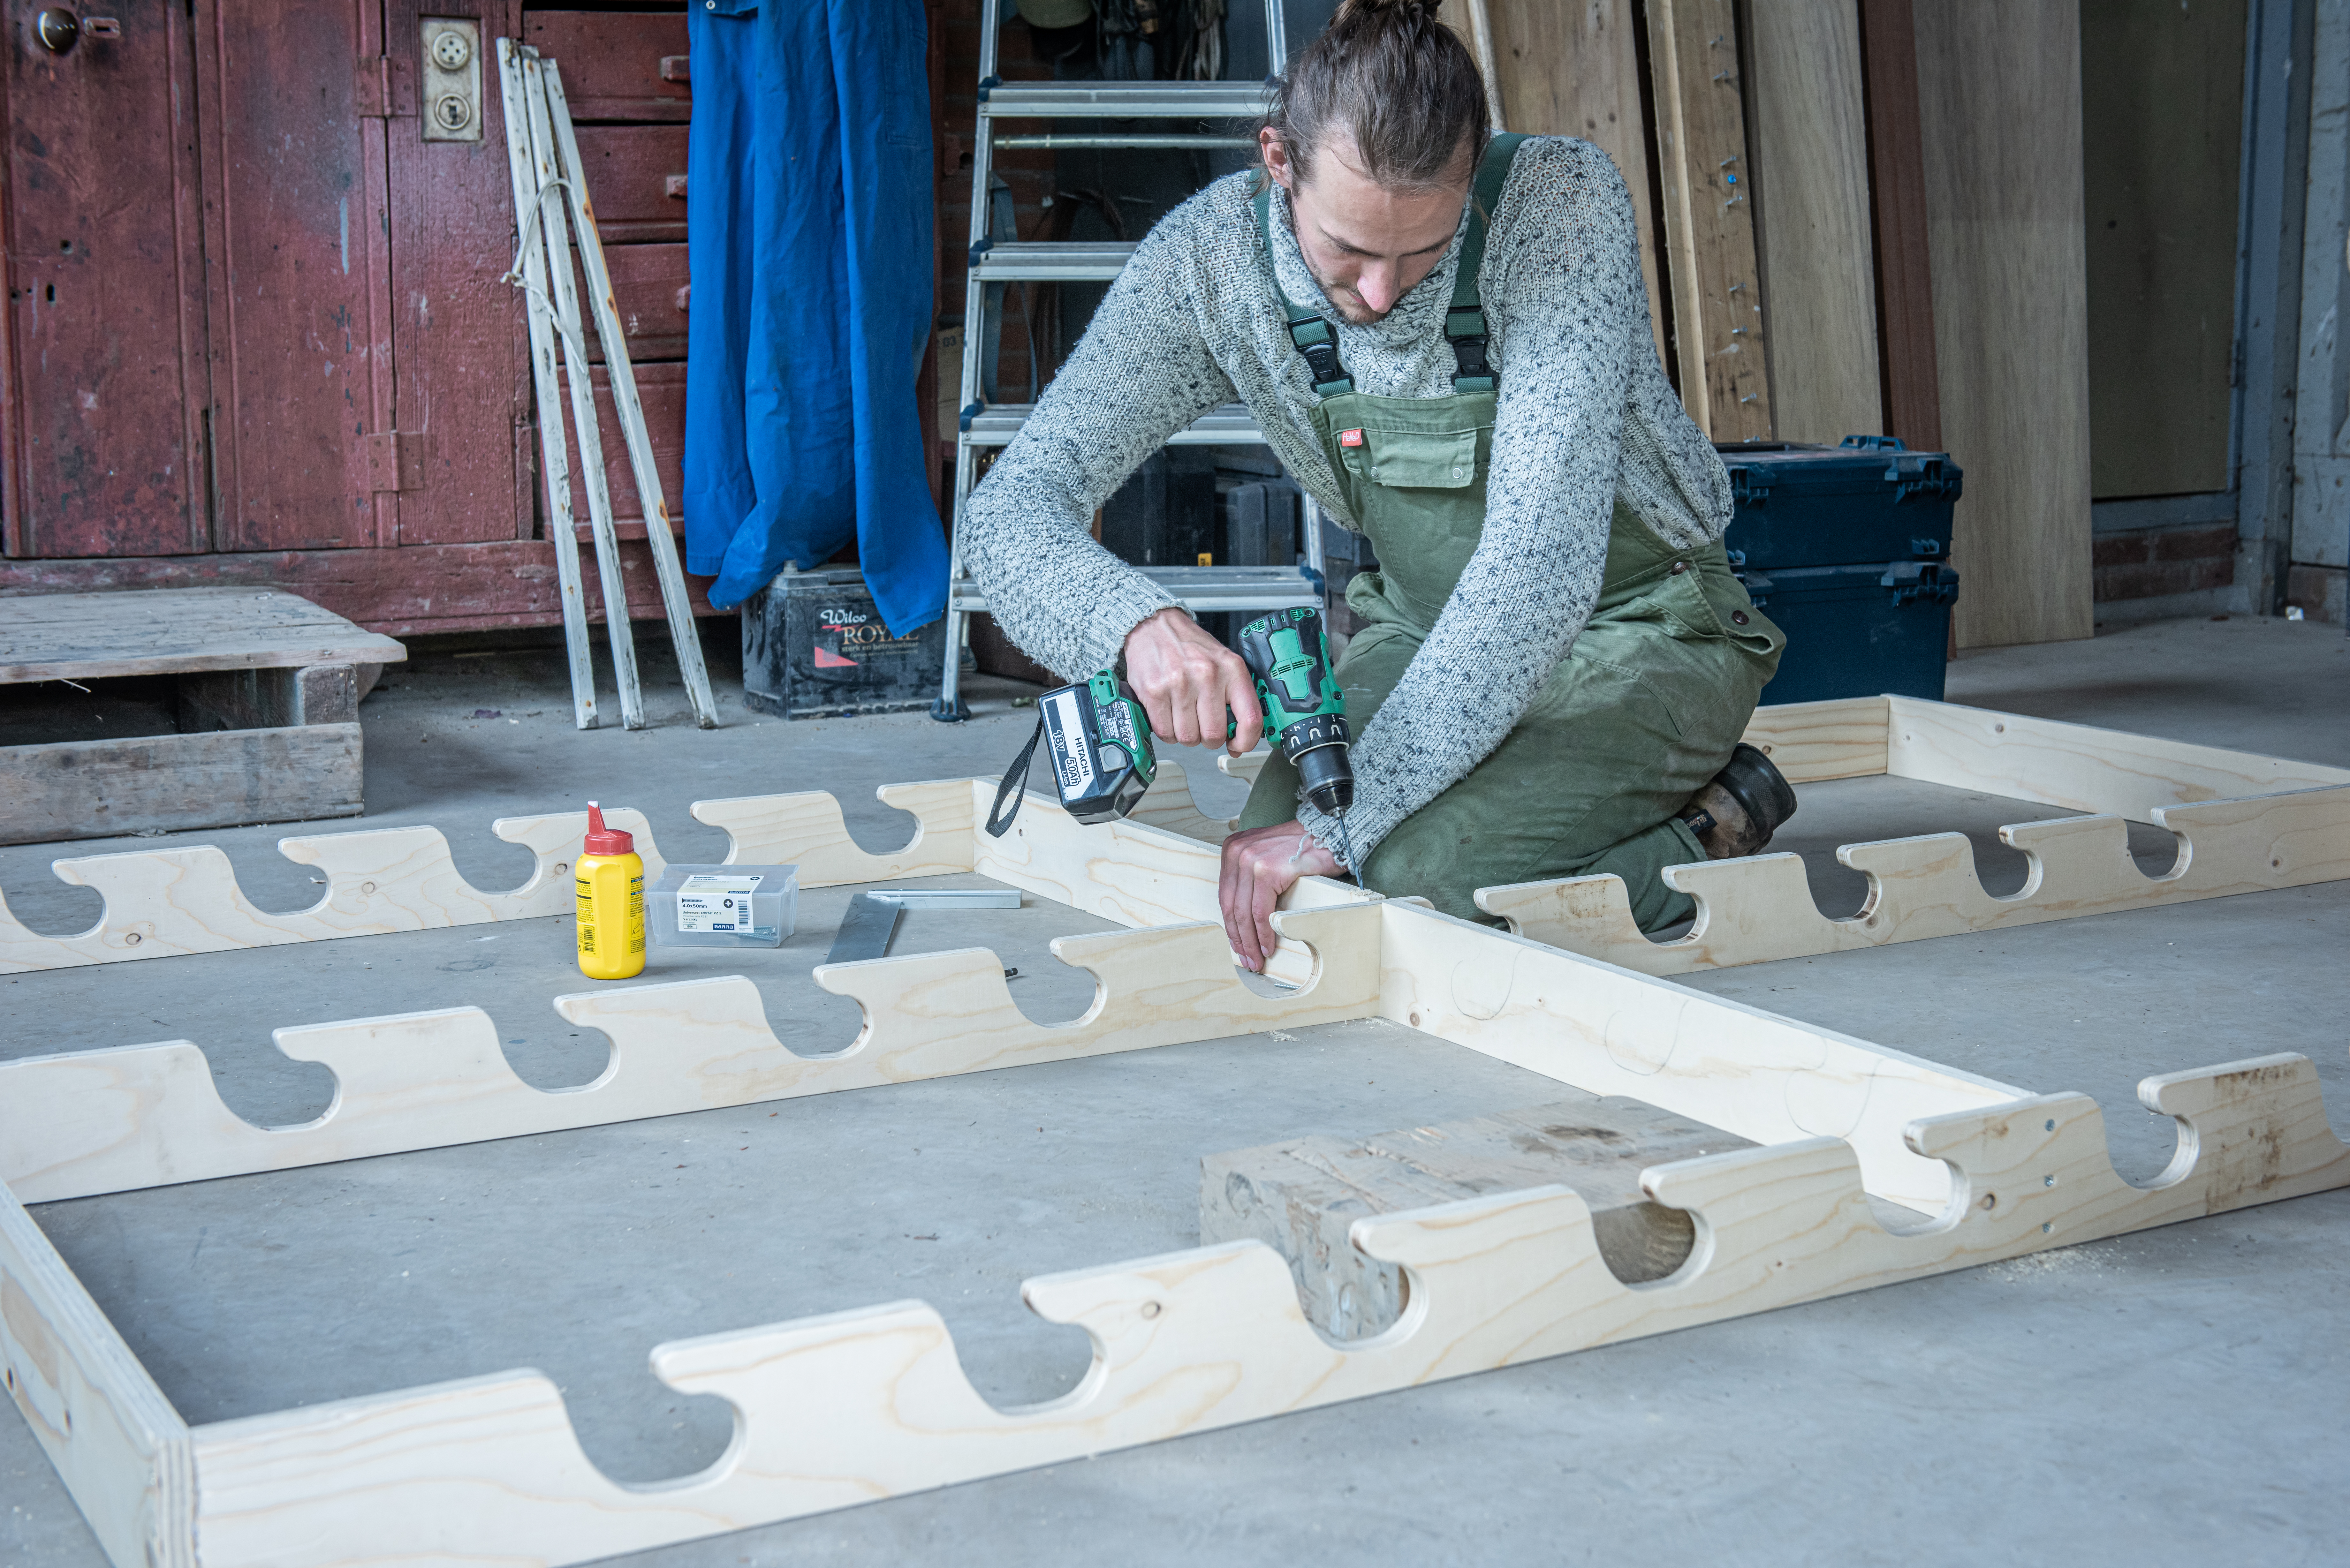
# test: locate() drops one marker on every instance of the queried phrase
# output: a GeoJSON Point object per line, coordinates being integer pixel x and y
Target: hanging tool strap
{"type": "Point", "coordinates": [1014, 786]}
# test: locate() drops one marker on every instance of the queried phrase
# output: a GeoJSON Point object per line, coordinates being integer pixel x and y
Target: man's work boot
{"type": "Point", "coordinates": [1742, 807]}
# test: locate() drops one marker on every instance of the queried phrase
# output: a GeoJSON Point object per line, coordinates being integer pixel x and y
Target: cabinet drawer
{"type": "Point", "coordinates": [636, 176]}
{"type": "Point", "coordinates": [613, 62]}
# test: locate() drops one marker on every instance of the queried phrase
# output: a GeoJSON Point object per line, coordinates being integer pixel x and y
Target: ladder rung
{"type": "Point", "coordinates": [1198, 588]}
{"type": "Point", "coordinates": [1230, 425]}
{"type": "Point", "coordinates": [1036, 260]}
{"type": "Point", "coordinates": [1125, 101]}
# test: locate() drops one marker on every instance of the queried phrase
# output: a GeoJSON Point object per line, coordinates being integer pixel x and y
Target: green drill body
{"type": "Point", "coordinates": [1098, 737]}
{"type": "Point", "coordinates": [1305, 708]}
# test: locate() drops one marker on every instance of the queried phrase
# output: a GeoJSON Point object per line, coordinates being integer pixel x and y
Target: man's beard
{"type": "Point", "coordinates": [1346, 301]}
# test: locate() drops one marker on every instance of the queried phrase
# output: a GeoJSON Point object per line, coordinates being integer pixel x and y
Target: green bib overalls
{"type": "Point", "coordinates": [1641, 712]}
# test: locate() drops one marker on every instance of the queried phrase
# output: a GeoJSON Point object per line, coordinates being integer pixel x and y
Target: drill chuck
{"type": "Point", "coordinates": [1316, 746]}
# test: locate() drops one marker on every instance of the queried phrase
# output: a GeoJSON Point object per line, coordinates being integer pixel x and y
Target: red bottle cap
{"type": "Point", "coordinates": [603, 840]}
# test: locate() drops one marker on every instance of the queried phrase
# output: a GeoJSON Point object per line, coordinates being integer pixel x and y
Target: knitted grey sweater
{"type": "Point", "coordinates": [1585, 416]}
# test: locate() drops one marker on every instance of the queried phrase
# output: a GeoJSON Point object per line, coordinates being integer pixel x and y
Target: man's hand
{"type": "Point", "coordinates": [1260, 866]}
{"type": "Point", "coordinates": [1187, 679]}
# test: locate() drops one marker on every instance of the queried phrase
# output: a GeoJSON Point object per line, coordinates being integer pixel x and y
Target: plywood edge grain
{"type": "Point", "coordinates": [123, 1452]}
{"type": "Point", "coordinates": [2079, 767]}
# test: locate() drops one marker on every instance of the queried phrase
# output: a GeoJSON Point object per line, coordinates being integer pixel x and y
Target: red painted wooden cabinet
{"type": "Point", "coordinates": [255, 326]}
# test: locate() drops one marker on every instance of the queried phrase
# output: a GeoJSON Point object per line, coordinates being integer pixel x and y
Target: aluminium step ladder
{"type": "Point", "coordinates": [1200, 589]}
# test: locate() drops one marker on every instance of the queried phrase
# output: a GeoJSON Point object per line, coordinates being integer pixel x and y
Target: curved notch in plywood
{"type": "Point", "coordinates": [162, 902]}
{"type": "Point", "coordinates": [1761, 909]}
{"type": "Point", "coordinates": [855, 1405]}
{"type": "Point", "coordinates": [808, 831]}
{"type": "Point", "coordinates": [145, 1115]}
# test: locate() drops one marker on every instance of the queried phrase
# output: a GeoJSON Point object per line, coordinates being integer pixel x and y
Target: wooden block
{"type": "Point", "coordinates": [1808, 742]}
{"type": "Point", "coordinates": [96, 789]}
{"type": "Point", "coordinates": [1302, 1197]}
{"type": "Point", "coordinates": [270, 699]}
{"type": "Point", "coordinates": [165, 631]}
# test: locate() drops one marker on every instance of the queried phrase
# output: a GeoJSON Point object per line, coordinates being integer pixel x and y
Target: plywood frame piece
{"type": "Point", "coordinates": [2245, 823]}
{"type": "Point", "coordinates": [164, 902]}
{"type": "Point", "coordinates": [488, 1468]}
{"type": "Point", "coordinates": [85, 1122]}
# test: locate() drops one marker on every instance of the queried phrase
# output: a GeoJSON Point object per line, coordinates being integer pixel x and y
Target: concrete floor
{"type": "Point", "coordinates": [2168, 1396]}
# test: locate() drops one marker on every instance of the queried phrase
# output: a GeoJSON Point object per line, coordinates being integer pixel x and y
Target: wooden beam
{"type": "Point", "coordinates": [1575, 70]}
{"type": "Point", "coordinates": [2000, 110]}
{"type": "Point", "coordinates": [1700, 134]}
{"type": "Point", "coordinates": [227, 778]}
{"type": "Point", "coordinates": [1905, 275]}
{"type": "Point", "coordinates": [1810, 159]}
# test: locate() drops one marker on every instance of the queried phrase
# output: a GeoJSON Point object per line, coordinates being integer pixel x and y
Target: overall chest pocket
{"type": "Point", "coordinates": [1422, 459]}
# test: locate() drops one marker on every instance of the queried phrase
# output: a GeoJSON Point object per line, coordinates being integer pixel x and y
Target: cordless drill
{"type": "Point", "coordinates": [1305, 710]}
{"type": "Point", "coordinates": [1098, 737]}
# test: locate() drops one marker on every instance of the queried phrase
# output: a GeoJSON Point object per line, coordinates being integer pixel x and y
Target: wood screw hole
{"type": "Point", "coordinates": [2045, 1229]}
{"type": "Point", "coordinates": [1999, 729]}
{"type": "Point", "coordinates": [133, 939]}
{"type": "Point", "coordinates": [1989, 1201]}
{"type": "Point", "coordinates": [1150, 1309]}
{"type": "Point", "coordinates": [2050, 1125]}
{"type": "Point", "coordinates": [2047, 1181]}
{"type": "Point", "coordinates": [366, 887]}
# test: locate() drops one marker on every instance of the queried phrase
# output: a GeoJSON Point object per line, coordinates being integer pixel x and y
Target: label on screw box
{"type": "Point", "coordinates": [715, 904]}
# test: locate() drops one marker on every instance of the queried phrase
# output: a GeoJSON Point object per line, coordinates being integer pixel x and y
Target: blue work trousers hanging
{"type": "Point", "coordinates": [809, 236]}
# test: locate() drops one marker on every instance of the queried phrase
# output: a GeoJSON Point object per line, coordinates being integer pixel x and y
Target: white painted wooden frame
{"type": "Point", "coordinates": [487, 1469]}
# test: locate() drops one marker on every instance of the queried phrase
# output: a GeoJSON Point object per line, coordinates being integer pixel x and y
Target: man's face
{"type": "Point", "coordinates": [1366, 243]}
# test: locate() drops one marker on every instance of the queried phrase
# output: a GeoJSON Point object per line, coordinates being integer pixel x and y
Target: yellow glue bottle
{"type": "Point", "coordinates": [610, 881]}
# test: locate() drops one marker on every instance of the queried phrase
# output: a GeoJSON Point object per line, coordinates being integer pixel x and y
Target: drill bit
{"type": "Point", "coordinates": [1346, 847]}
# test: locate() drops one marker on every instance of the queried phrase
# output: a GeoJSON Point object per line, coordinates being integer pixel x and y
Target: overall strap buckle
{"type": "Point", "coordinates": [1314, 340]}
{"type": "Point", "coordinates": [1464, 328]}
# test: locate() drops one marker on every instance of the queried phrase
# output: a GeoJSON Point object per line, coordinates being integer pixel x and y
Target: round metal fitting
{"type": "Point", "coordinates": [451, 112]}
{"type": "Point", "coordinates": [450, 51]}
{"type": "Point", "coordinates": [56, 27]}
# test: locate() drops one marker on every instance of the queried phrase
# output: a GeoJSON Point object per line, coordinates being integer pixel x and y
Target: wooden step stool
{"type": "Point", "coordinates": [268, 692]}
{"type": "Point", "coordinates": [1300, 1198]}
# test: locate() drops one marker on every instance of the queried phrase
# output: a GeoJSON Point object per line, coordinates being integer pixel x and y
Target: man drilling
{"type": "Point", "coordinates": [1444, 336]}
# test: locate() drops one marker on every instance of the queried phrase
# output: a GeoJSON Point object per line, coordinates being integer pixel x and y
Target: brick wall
{"type": "Point", "coordinates": [2146, 563]}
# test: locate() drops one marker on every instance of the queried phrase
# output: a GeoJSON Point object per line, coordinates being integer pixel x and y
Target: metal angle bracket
{"type": "Point", "coordinates": [871, 923]}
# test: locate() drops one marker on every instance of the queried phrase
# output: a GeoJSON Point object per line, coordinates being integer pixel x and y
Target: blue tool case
{"type": "Point", "coordinates": [1847, 549]}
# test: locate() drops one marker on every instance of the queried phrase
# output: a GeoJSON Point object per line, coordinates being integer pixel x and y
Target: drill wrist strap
{"type": "Point", "coordinates": [1014, 786]}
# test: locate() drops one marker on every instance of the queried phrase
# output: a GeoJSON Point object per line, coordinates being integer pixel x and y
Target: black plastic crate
{"type": "Point", "coordinates": [1847, 547]}
{"type": "Point", "coordinates": [814, 647]}
{"type": "Point", "coordinates": [1867, 500]}
{"type": "Point", "coordinates": [1856, 631]}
